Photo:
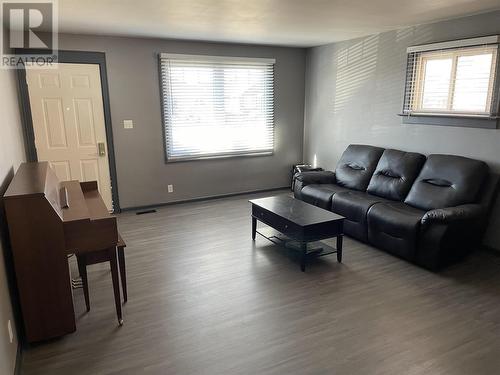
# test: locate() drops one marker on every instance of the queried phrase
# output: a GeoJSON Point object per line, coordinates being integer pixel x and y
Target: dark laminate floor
{"type": "Point", "coordinates": [203, 299]}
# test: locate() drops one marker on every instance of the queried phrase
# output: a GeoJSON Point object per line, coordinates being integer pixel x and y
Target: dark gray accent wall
{"type": "Point", "coordinates": [354, 92]}
{"type": "Point", "coordinates": [134, 89]}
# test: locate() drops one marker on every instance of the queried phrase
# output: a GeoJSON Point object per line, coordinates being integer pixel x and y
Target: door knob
{"type": "Point", "coordinates": [101, 149]}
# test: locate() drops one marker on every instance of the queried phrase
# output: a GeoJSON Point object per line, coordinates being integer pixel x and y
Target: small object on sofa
{"type": "Point", "coordinates": [431, 211]}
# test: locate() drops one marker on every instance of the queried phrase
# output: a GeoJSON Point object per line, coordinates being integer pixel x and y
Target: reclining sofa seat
{"type": "Point", "coordinates": [446, 183]}
{"type": "Point", "coordinates": [392, 179]}
{"type": "Point", "coordinates": [432, 219]}
{"type": "Point", "coordinates": [354, 171]}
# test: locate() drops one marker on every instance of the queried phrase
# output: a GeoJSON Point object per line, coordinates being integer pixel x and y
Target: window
{"type": "Point", "coordinates": [453, 78]}
{"type": "Point", "coordinates": [217, 106]}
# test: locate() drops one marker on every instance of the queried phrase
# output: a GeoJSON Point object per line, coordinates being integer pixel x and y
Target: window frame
{"type": "Point", "coordinates": [454, 55]}
{"type": "Point", "coordinates": [215, 59]}
{"type": "Point", "coordinates": [415, 71]}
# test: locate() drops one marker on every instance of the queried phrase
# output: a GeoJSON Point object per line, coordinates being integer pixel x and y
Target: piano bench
{"type": "Point", "coordinates": [116, 259]}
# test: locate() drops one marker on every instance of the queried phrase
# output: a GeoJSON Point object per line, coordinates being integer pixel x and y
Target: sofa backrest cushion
{"type": "Point", "coordinates": [447, 181]}
{"type": "Point", "coordinates": [355, 167]}
{"type": "Point", "coordinates": [395, 173]}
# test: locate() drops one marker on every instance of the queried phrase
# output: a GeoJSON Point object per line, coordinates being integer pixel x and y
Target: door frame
{"type": "Point", "coordinates": [71, 57]}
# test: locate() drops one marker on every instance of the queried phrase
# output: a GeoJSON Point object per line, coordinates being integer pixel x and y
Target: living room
{"type": "Point", "coordinates": [225, 187]}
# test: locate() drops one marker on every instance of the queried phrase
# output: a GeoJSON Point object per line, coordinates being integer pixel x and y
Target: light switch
{"type": "Point", "coordinates": [128, 124]}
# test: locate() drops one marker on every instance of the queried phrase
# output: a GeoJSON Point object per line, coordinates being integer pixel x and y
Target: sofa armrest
{"type": "Point", "coordinates": [450, 214]}
{"type": "Point", "coordinates": [316, 177]}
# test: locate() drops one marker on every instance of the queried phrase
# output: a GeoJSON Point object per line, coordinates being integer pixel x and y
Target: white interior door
{"type": "Point", "coordinates": [68, 122]}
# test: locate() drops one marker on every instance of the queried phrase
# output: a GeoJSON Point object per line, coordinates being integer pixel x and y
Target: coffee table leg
{"type": "Point", "coordinates": [254, 227]}
{"type": "Point", "coordinates": [339, 248]}
{"type": "Point", "coordinates": [303, 257]}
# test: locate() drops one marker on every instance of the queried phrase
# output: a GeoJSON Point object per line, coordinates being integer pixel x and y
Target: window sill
{"type": "Point", "coordinates": [450, 119]}
{"type": "Point", "coordinates": [215, 157]}
{"type": "Point", "coordinates": [452, 115]}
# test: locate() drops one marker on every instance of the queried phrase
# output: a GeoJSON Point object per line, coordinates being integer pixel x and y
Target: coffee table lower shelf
{"type": "Point", "coordinates": [308, 249]}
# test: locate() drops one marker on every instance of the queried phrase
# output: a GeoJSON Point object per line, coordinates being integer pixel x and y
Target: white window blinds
{"type": "Point", "coordinates": [217, 106]}
{"type": "Point", "coordinates": [453, 78]}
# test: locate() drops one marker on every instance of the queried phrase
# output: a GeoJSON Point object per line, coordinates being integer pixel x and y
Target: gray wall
{"type": "Point", "coordinates": [135, 94]}
{"type": "Point", "coordinates": [11, 155]}
{"type": "Point", "coordinates": [354, 91]}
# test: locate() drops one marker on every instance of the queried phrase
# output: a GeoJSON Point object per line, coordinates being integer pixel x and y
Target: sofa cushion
{"type": "Point", "coordinates": [394, 227]}
{"type": "Point", "coordinates": [320, 194]}
{"type": "Point", "coordinates": [447, 181]}
{"type": "Point", "coordinates": [354, 206]}
{"type": "Point", "coordinates": [395, 173]}
{"type": "Point", "coordinates": [355, 167]}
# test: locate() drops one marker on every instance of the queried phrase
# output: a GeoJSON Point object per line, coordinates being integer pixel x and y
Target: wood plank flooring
{"type": "Point", "coordinates": [205, 299]}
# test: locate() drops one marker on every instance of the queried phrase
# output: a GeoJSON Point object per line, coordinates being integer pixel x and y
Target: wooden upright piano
{"type": "Point", "coordinates": [48, 220]}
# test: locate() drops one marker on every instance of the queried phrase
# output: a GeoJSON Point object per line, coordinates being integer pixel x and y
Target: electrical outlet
{"type": "Point", "coordinates": [11, 334]}
{"type": "Point", "coordinates": [170, 188]}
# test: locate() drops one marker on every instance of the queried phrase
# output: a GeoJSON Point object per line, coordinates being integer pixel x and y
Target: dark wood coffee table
{"type": "Point", "coordinates": [300, 226]}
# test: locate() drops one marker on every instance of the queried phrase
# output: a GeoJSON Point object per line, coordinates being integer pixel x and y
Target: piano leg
{"type": "Point", "coordinates": [116, 283]}
{"type": "Point", "coordinates": [123, 273]}
{"type": "Point", "coordinates": [82, 269]}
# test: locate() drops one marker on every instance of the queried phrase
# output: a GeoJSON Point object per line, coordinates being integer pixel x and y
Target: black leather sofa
{"type": "Point", "coordinates": [429, 210]}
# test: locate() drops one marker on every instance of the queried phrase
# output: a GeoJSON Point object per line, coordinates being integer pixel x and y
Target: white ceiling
{"type": "Point", "coordinates": [302, 23]}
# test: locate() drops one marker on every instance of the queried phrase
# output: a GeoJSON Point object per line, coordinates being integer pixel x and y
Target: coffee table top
{"type": "Point", "coordinates": [295, 210]}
